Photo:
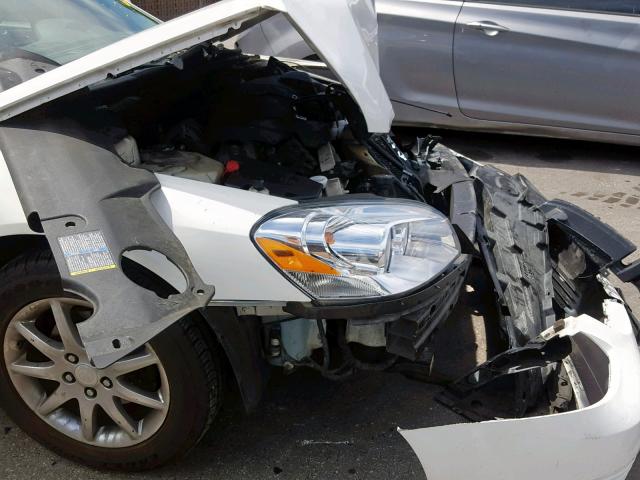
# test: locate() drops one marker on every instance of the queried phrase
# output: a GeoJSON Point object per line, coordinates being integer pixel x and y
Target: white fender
{"type": "Point", "coordinates": [214, 224]}
{"type": "Point", "coordinates": [12, 218]}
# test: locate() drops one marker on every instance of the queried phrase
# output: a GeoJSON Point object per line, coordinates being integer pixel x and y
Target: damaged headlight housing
{"type": "Point", "coordinates": [360, 248]}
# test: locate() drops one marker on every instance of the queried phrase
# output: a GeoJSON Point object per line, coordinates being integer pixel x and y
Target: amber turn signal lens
{"type": "Point", "coordinates": [291, 259]}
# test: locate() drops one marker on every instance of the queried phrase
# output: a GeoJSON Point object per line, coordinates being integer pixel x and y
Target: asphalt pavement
{"type": "Point", "coordinates": [311, 428]}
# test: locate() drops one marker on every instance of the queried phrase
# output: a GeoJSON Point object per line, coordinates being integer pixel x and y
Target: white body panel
{"type": "Point", "coordinates": [12, 218]}
{"type": "Point", "coordinates": [329, 26]}
{"type": "Point", "coordinates": [599, 442]}
{"type": "Point", "coordinates": [214, 225]}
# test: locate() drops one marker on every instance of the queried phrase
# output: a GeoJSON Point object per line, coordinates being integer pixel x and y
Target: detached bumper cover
{"type": "Point", "coordinates": [597, 442]}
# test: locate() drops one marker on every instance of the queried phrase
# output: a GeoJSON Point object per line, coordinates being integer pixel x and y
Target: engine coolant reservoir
{"type": "Point", "coordinates": [178, 163]}
{"type": "Point", "coordinates": [170, 161]}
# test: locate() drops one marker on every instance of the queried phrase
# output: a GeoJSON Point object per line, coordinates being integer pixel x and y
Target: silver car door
{"type": "Point", "coordinates": [564, 63]}
{"type": "Point", "coordinates": [416, 50]}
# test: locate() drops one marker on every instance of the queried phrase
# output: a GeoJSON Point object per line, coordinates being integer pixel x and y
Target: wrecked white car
{"type": "Point", "coordinates": [174, 211]}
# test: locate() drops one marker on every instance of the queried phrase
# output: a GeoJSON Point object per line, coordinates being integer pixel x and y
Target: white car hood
{"type": "Point", "coordinates": [339, 30]}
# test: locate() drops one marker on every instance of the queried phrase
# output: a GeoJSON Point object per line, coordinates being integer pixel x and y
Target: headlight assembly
{"type": "Point", "coordinates": [358, 248]}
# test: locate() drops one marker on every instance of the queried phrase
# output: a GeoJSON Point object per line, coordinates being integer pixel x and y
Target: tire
{"type": "Point", "coordinates": [187, 367]}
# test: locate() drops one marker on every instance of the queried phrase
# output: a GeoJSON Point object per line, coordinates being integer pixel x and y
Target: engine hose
{"type": "Point", "coordinates": [342, 372]}
{"type": "Point", "coordinates": [348, 368]}
{"type": "Point", "coordinates": [360, 365]}
{"type": "Point", "coordinates": [325, 345]}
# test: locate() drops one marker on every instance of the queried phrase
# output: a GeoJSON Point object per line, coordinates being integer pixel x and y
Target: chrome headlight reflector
{"type": "Point", "coordinates": [359, 248]}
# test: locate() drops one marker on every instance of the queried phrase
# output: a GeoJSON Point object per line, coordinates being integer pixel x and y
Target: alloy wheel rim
{"type": "Point", "coordinates": [118, 406]}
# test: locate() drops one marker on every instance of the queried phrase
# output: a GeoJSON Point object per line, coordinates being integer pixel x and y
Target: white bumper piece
{"type": "Point", "coordinates": [597, 442]}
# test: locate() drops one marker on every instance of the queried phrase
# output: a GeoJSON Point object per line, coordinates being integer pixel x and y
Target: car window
{"type": "Point", "coordinates": [64, 30]}
{"type": "Point", "coordinates": [620, 7]}
{"type": "Point", "coordinates": [15, 29]}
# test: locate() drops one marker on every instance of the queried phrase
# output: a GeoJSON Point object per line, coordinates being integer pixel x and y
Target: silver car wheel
{"type": "Point", "coordinates": [119, 406]}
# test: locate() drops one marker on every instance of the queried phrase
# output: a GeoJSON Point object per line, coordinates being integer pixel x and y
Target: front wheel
{"type": "Point", "coordinates": [147, 409]}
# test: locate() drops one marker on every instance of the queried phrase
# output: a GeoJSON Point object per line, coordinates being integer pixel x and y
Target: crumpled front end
{"type": "Point", "coordinates": [568, 329]}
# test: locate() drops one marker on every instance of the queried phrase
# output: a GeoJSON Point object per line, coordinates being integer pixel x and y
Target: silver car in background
{"type": "Point", "coordinates": [561, 68]}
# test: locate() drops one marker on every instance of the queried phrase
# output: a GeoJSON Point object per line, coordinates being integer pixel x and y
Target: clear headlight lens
{"type": "Point", "coordinates": [359, 249]}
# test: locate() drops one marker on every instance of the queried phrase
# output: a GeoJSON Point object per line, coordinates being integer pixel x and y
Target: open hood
{"type": "Point", "coordinates": [340, 31]}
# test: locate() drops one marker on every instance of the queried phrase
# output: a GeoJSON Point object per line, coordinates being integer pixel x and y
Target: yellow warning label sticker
{"type": "Point", "coordinates": [97, 269]}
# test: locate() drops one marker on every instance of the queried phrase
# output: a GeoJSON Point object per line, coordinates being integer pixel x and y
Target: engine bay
{"type": "Point", "coordinates": [216, 115]}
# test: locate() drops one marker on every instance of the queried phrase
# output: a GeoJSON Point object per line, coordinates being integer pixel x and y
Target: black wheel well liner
{"type": "Point", "coordinates": [238, 337]}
